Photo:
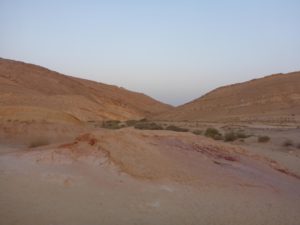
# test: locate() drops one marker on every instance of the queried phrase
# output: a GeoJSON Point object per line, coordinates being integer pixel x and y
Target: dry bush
{"type": "Point", "coordinates": [148, 126]}
{"type": "Point", "coordinates": [242, 135]}
{"type": "Point", "coordinates": [263, 139]}
{"type": "Point", "coordinates": [131, 123]}
{"type": "Point", "coordinates": [177, 129]}
{"type": "Point", "coordinates": [112, 124]}
{"type": "Point", "coordinates": [231, 136]}
{"type": "Point", "coordinates": [213, 133]}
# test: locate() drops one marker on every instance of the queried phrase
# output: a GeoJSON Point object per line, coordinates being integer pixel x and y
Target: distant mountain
{"type": "Point", "coordinates": [30, 92]}
{"type": "Point", "coordinates": [274, 98]}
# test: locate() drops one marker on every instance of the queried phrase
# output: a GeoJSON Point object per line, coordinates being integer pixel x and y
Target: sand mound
{"type": "Point", "coordinates": [175, 156]}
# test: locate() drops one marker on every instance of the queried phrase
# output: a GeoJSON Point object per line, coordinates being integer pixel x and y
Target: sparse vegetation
{"type": "Point", "coordinates": [241, 135]}
{"type": "Point", "coordinates": [213, 133]}
{"type": "Point", "coordinates": [230, 136]}
{"type": "Point", "coordinates": [38, 142]}
{"type": "Point", "coordinates": [197, 132]}
{"type": "Point", "coordinates": [263, 139]}
{"type": "Point", "coordinates": [131, 123]}
{"type": "Point", "coordinates": [112, 124]}
{"type": "Point", "coordinates": [177, 129]}
{"type": "Point", "coordinates": [148, 126]}
{"type": "Point", "coordinates": [288, 143]}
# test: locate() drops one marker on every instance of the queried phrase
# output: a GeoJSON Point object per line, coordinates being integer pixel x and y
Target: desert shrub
{"type": "Point", "coordinates": [241, 135]}
{"type": "Point", "coordinates": [213, 133]}
{"type": "Point", "coordinates": [177, 129]}
{"type": "Point", "coordinates": [230, 136]}
{"type": "Point", "coordinates": [131, 123]}
{"type": "Point", "coordinates": [143, 120]}
{"type": "Point", "coordinates": [218, 137]}
{"type": "Point", "coordinates": [112, 124]}
{"type": "Point", "coordinates": [38, 142]}
{"type": "Point", "coordinates": [197, 132]}
{"type": "Point", "coordinates": [148, 126]}
{"type": "Point", "coordinates": [287, 143]}
{"type": "Point", "coordinates": [263, 139]}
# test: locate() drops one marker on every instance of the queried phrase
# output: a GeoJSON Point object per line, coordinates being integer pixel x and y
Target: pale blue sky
{"type": "Point", "coordinates": [174, 51]}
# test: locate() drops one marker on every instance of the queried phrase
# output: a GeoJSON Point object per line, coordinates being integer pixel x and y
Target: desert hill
{"type": "Point", "coordinates": [274, 98]}
{"type": "Point", "coordinates": [28, 92]}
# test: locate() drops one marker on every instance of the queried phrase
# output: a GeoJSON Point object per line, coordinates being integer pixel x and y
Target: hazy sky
{"type": "Point", "coordinates": [174, 51]}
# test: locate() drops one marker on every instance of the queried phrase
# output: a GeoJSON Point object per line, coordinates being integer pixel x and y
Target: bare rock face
{"type": "Point", "coordinates": [28, 92]}
{"type": "Point", "coordinates": [274, 98]}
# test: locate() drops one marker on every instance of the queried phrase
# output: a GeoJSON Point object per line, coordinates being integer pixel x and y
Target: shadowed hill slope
{"type": "Point", "coordinates": [33, 88]}
{"type": "Point", "coordinates": [274, 98]}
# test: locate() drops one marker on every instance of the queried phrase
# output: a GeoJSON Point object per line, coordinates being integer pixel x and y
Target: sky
{"type": "Point", "coordinates": [174, 51]}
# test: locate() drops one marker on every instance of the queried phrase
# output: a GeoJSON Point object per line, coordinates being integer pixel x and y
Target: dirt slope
{"type": "Point", "coordinates": [26, 86]}
{"type": "Point", "coordinates": [274, 98]}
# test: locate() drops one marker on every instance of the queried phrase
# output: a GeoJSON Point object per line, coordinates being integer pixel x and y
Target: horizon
{"type": "Point", "coordinates": [173, 51]}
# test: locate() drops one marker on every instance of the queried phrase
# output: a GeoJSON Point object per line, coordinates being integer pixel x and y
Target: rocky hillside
{"type": "Point", "coordinates": [274, 98]}
{"type": "Point", "coordinates": [30, 92]}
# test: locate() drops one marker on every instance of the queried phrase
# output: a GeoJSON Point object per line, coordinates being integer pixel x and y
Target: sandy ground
{"type": "Point", "coordinates": [129, 176]}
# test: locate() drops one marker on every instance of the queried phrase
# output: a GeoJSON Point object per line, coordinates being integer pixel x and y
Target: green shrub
{"type": "Point", "coordinates": [213, 133]}
{"type": "Point", "coordinates": [197, 132]}
{"type": "Point", "coordinates": [38, 142]}
{"type": "Point", "coordinates": [263, 139]}
{"type": "Point", "coordinates": [177, 129]}
{"type": "Point", "coordinates": [288, 143]}
{"type": "Point", "coordinates": [148, 126]}
{"type": "Point", "coordinates": [230, 136]}
{"type": "Point", "coordinates": [112, 124]}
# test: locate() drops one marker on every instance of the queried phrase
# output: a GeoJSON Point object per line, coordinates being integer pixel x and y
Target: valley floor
{"type": "Point", "coordinates": [130, 176]}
